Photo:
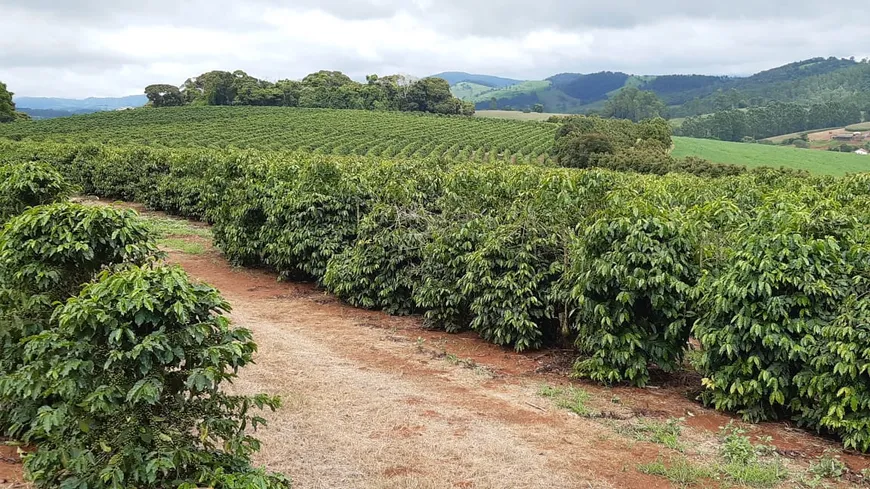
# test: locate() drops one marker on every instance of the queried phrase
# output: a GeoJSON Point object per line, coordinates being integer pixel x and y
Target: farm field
{"type": "Point", "coordinates": [514, 115]}
{"type": "Point", "coordinates": [323, 131]}
{"type": "Point", "coordinates": [864, 126]}
{"type": "Point", "coordinates": [754, 155]}
{"type": "Point", "coordinates": [412, 312]}
{"type": "Point", "coordinates": [779, 139]}
{"type": "Point", "coordinates": [374, 401]}
{"type": "Point", "coordinates": [490, 136]}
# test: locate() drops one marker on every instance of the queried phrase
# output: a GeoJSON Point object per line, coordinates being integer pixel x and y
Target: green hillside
{"type": "Point", "coordinates": [468, 91]}
{"type": "Point", "coordinates": [519, 89]}
{"type": "Point", "coordinates": [754, 155]}
{"type": "Point", "coordinates": [455, 77]}
{"type": "Point", "coordinates": [805, 82]}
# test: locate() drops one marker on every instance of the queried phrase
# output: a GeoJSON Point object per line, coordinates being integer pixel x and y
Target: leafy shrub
{"type": "Point", "coordinates": [507, 281]}
{"type": "Point", "coordinates": [47, 254]}
{"type": "Point", "coordinates": [786, 277]}
{"type": "Point", "coordinates": [314, 219]}
{"type": "Point", "coordinates": [640, 160]}
{"type": "Point", "coordinates": [120, 174]}
{"type": "Point", "coordinates": [130, 377]}
{"type": "Point", "coordinates": [381, 268]}
{"type": "Point", "coordinates": [240, 218]}
{"type": "Point", "coordinates": [633, 280]}
{"type": "Point", "coordinates": [55, 249]}
{"type": "Point", "coordinates": [25, 185]}
{"type": "Point", "coordinates": [579, 150]}
{"type": "Point", "coordinates": [496, 254]}
{"type": "Point", "coordinates": [444, 257]}
{"type": "Point", "coordinates": [703, 168]}
{"type": "Point", "coordinates": [833, 386]}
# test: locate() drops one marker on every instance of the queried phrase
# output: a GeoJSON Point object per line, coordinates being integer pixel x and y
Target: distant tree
{"type": "Point", "coordinates": [467, 108]}
{"type": "Point", "coordinates": [635, 105]}
{"type": "Point", "coordinates": [219, 87]}
{"type": "Point", "coordinates": [164, 95]}
{"type": "Point", "coordinates": [290, 91]}
{"type": "Point", "coordinates": [539, 108]}
{"type": "Point", "coordinates": [7, 106]}
{"type": "Point", "coordinates": [577, 150]}
{"type": "Point", "coordinates": [431, 95]}
{"type": "Point", "coordinates": [328, 79]}
{"type": "Point", "coordinates": [493, 103]}
{"type": "Point", "coordinates": [323, 89]}
{"type": "Point", "coordinates": [212, 88]}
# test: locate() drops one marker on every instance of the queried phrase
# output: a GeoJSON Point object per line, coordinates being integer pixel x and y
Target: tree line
{"type": "Point", "coordinates": [772, 120]}
{"type": "Point", "coordinates": [324, 89]}
{"type": "Point", "coordinates": [7, 106]}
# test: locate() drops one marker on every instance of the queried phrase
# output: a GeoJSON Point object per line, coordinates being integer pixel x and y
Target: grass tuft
{"type": "Point", "coordinates": [677, 470]}
{"type": "Point", "coordinates": [665, 433]}
{"type": "Point", "coordinates": [573, 399]}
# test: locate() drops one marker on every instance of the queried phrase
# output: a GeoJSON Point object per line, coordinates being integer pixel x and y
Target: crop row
{"type": "Point", "coordinates": [111, 362]}
{"type": "Point", "coordinates": [768, 270]}
{"type": "Point", "coordinates": [343, 132]}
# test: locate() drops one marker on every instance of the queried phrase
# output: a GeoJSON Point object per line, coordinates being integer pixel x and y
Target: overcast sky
{"type": "Point", "coordinates": [81, 48]}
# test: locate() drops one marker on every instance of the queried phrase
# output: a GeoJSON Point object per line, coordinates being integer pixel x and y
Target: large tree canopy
{"type": "Point", "coordinates": [323, 89]}
{"type": "Point", "coordinates": [633, 104]}
{"type": "Point", "coordinates": [164, 95]}
{"type": "Point", "coordinates": [7, 107]}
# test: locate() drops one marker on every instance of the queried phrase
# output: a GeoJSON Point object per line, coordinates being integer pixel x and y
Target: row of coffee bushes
{"type": "Point", "coordinates": [111, 363]}
{"type": "Point", "coordinates": [766, 269]}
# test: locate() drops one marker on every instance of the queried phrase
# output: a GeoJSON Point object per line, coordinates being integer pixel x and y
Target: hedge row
{"type": "Point", "coordinates": [110, 362]}
{"type": "Point", "coordinates": [767, 269]}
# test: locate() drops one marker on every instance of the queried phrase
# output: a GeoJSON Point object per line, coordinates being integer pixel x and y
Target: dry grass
{"type": "Point", "coordinates": [344, 425]}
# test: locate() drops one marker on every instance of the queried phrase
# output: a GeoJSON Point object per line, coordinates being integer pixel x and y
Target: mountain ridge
{"type": "Point", "coordinates": [94, 104]}
{"type": "Point", "coordinates": [803, 81]}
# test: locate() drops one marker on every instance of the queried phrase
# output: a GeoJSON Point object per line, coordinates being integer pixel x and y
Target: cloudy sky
{"type": "Point", "coordinates": [80, 48]}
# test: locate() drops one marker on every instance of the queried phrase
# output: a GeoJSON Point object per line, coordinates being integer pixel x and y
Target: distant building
{"type": "Point", "coordinates": [862, 151]}
{"type": "Point", "coordinates": [843, 136]}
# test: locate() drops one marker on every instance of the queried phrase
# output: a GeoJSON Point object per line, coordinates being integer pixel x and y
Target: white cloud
{"type": "Point", "coordinates": [110, 47]}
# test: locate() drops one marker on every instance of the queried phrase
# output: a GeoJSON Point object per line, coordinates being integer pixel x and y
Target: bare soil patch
{"type": "Point", "coordinates": [11, 473]}
{"type": "Point", "coordinates": [828, 135]}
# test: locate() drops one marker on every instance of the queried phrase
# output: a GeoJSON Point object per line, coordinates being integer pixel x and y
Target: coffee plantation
{"type": "Point", "coordinates": [112, 363]}
{"type": "Point", "coordinates": [767, 269]}
{"type": "Point", "coordinates": [326, 131]}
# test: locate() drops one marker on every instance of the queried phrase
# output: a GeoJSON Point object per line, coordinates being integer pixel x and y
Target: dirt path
{"type": "Point", "coordinates": [374, 401]}
{"type": "Point", "coordinates": [368, 405]}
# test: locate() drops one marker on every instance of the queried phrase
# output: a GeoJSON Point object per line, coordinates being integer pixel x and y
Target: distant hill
{"type": "Point", "coordinates": [39, 114]}
{"type": "Point", "coordinates": [805, 82]}
{"type": "Point", "coordinates": [455, 77]}
{"type": "Point", "coordinates": [91, 104]}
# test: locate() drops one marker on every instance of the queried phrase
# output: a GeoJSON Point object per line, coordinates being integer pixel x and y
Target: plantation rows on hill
{"type": "Point", "coordinates": [768, 270]}
{"type": "Point", "coordinates": [341, 132]}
